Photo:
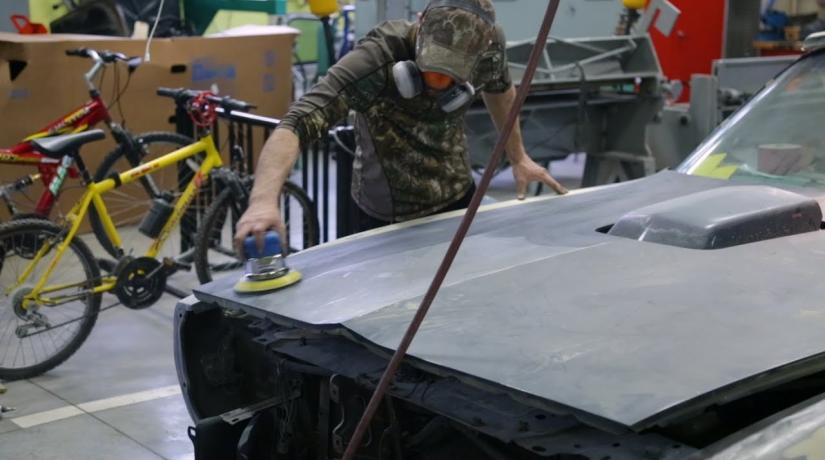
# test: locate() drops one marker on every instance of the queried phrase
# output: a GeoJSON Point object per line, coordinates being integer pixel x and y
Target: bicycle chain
{"type": "Point", "coordinates": [108, 307]}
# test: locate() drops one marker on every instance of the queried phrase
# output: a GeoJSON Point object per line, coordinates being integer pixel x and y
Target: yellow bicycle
{"type": "Point", "coordinates": [51, 285]}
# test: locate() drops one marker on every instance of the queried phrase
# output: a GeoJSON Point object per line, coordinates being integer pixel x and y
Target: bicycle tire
{"type": "Point", "coordinates": [108, 165]}
{"type": "Point", "coordinates": [33, 227]}
{"type": "Point", "coordinates": [311, 227]}
{"type": "Point", "coordinates": [215, 218]}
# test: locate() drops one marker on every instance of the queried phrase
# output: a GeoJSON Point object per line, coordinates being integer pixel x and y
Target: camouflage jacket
{"type": "Point", "coordinates": [411, 159]}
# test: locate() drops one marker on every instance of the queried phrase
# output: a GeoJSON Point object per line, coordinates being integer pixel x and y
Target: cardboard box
{"type": "Point", "coordinates": [39, 83]}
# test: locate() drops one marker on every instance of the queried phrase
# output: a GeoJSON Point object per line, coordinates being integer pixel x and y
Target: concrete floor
{"type": "Point", "coordinates": [128, 352]}
{"type": "Point", "coordinates": [117, 397]}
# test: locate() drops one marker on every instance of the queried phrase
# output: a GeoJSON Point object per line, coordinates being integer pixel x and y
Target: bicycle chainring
{"type": "Point", "coordinates": [140, 282]}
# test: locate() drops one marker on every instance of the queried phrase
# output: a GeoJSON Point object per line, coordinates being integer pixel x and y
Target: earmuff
{"type": "Point", "coordinates": [456, 97]}
{"type": "Point", "coordinates": [408, 79]}
{"type": "Point", "coordinates": [410, 84]}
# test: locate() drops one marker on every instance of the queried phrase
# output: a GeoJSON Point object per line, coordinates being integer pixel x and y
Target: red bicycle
{"type": "Point", "coordinates": [131, 149]}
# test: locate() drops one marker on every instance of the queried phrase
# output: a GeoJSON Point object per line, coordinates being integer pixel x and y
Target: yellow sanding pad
{"type": "Point", "coordinates": [245, 286]}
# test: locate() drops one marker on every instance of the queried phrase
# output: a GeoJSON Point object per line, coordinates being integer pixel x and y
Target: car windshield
{"type": "Point", "coordinates": [777, 138]}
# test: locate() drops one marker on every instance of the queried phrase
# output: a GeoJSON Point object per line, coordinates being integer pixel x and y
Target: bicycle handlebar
{"type": "Point", "coordinates": [183, 95]}
{"type": "Point", "coordinates": [82, 52]}
{"type": "Point", "coordinates": [101, 59]}
{"type": "Point", "coordinates": [106, 57]}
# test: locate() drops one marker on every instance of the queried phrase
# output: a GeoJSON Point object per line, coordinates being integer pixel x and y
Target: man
{"type": "Point", "coordinates": [409, 85]}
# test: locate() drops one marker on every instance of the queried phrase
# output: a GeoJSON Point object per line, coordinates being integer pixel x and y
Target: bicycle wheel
{"type": "Point", "coordinates": [38, 338]}
{"type": "Point", "coordinates": [214, 252]}
{"type": "Point", "coordinates": [129, 203]}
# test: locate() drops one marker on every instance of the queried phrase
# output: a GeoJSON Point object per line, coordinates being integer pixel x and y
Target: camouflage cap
{"type": "Point", "coordinates": [453, 35]}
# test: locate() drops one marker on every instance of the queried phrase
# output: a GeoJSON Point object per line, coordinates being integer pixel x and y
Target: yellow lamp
{"type": "Point", "coordinates": [634, 4]}
{"type": "Point", "coordinates": [323, 8]}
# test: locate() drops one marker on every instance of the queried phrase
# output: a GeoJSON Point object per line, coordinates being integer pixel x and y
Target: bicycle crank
{"type": "Point", "coordinates": [140, 282]}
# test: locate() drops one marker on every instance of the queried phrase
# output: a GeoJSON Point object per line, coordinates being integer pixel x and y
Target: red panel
{"type": "Point", "coordinates": [696, 40]}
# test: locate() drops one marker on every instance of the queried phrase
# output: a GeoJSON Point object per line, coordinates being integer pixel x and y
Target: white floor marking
{"type": "Point", "coordinates": [28, 421]}
{"type": "Point", "coordinates": [128, 400]}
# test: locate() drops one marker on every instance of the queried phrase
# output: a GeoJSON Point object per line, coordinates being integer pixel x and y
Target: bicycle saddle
{"type": "Point", "coordinates": [60, 146]}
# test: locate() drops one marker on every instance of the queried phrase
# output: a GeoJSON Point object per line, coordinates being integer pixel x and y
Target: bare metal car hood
{"type": "Point", "coordinates": [540, 303]}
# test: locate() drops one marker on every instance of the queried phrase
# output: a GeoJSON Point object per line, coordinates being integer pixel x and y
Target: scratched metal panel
{"type": "Point", "coordinates": [539, 302]}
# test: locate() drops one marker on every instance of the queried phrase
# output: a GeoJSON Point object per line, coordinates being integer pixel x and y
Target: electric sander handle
{"type": "Point", "coordinates": [272, 246]}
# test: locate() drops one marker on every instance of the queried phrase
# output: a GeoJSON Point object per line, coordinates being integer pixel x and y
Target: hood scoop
{"type": "Point", "coordinates": [721, 218]}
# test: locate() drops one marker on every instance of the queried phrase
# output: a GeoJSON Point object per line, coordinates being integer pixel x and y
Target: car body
{"type": "Point", "coordinates": [678, 316]}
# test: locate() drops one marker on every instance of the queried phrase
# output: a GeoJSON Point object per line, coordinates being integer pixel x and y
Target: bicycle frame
{"type": "Point", "coordinates": [93, 197]}
{"type": "Point", "coordinates": [88, 115]}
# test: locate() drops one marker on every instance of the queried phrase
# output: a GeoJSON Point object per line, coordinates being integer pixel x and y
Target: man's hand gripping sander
{"type": "Point", "coordinates": [266, 270]}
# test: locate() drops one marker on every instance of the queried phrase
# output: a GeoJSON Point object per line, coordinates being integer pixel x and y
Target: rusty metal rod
{"type": "Point", "coordinates": [458, 238]}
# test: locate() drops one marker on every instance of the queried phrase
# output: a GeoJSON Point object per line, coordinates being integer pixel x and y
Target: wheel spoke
{"type": "Point", "coordinates": [34, 353]}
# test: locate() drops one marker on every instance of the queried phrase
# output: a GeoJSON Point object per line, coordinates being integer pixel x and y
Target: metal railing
{"type": "Point", "coordinates": [323, 167]}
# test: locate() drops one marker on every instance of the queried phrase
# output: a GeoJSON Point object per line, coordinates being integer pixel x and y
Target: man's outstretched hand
{"type": "Point", "coordinates": [260, 217]}
{"type": "Point", "coordinates": [527, 171]}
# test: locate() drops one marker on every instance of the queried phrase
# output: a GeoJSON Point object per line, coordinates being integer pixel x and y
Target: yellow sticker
{"type": "Point", "coordinates": [712, 167]}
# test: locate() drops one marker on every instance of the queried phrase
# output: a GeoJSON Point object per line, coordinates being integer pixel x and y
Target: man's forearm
{"type": "Point", "coordinates": [499, 104]}
{"type": "Point", "coordinates": [277, 158]}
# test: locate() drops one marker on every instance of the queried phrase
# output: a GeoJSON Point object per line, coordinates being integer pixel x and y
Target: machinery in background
{"type": "Point", "coordinates": [591, 95]}
{"type": "Point", "coordinates": [374, 12]}
{"type": "Point", "coordinates": [818, 24]}
{"type": "Point", "coordinates": [706, 31]}
{"type": "Point", "coordinates": [781, 26]}
{"type": "Point", "coordinates": [520, 18]}
{"type": "Point", "coordinates": [199, 13]}
{"type": "Point", "coordinates": [679, 128]}
{"type": "Point", "coordinates": [118, 17]}
{"type": "Point", "coordinates": [94, 17]}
